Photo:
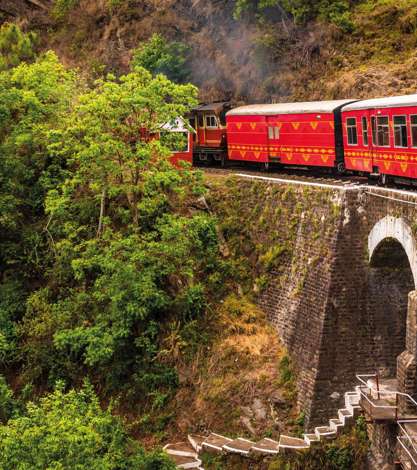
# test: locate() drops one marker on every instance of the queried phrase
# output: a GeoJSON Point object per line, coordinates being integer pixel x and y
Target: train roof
{"type": "Point", "coordinates": [215, 107]}
{"type": "Point", "coordinates": [289, 108]}
{"type": "Point", "coordinates": [390, 102]}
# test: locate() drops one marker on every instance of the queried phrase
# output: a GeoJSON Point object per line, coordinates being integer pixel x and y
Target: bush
{"type": "Point", "coordinates": [69, 430]}
{"type": "Point", "coordinates": [63, 7]}
{"type": "Point", "coordinates": [15, 46]}
{"type": "Point", "coordinates": [160, 56]}
{"type": "Point", "coordinates": [334, 11]}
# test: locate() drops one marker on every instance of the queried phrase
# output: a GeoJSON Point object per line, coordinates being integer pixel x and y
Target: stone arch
{"type": "Point", "coordinates": [394, 228]}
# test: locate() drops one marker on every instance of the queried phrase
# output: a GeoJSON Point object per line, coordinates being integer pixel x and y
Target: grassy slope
{"type": "Point", "coordinates": [378, 58]}
{"type": "Point", "coordinates": [247, 60]}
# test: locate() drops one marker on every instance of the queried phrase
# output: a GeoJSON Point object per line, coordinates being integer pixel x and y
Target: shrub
{"type": "Point", "coordinates": [69, 430]}
{"type": "Point", "coordinates": [160, 56]}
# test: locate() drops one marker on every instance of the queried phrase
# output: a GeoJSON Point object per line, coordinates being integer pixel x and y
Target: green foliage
{"type": "Point", "coordinates": [101, 247]}
{"type": "Point", "coordinates": [71, 431]}
{"type": "Point", "coordinates": [33, 98]}
{"type": "Point", "coordinates": [61, 8]}
{"type": "Point", "coordinates": [160, 56]}
{"type": "Point", "coordinates": [8, 405]}
{"type": "Point", "coordinates": [271, 258]}
{"type": "Point", "coordinates": [15, 46]}
{"type": "Point", "coordinates": [127, 252]}
{"type": "Point", "coordinates": [337, 12]}
{"type": "Point", "coordinates": [287, 378]}
{"type": "Point", "coordinates": [12, 306]}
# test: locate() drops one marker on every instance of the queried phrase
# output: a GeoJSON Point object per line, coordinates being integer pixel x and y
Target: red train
{"type": "Point", "coordinates": [377, 137]}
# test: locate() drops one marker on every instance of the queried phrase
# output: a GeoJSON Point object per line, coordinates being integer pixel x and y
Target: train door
{"type": "Point", "coordinates": [368, 137]}
{"type": "Point", "coordinates": [273, 136]}
{"type": "Point", "coordinates": [381, 139]}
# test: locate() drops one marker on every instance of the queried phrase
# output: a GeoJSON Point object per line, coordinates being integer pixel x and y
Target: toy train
{"type": "Point", "coordinates": [376, 137]}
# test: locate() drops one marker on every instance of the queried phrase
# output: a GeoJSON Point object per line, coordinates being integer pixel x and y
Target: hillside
{"type": "Point", "coordinates": [357, 49]}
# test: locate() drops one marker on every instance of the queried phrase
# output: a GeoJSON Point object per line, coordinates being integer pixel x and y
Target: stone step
{"type": "Point", "coordinates": [352, 398]}
{"type": "Point", "coordinates": [239, 446]}
{"type": "Point", "coordinates": [324, 432]}
{"type": "Point", "coordinates": [311, 439]}
{"type": "Point", "coordinates": [344, 415]}
{"type": "Point", "coordinates": [183, 449]}
{"type": "Point", "coordinates": [185, 462]}
{"type": "Point", "coordinates": [294, 443]}
{"type": "Point", "coordinates": [196, 442]}
{"type": "Point", "coordinates": [215, 442]}
{"type": "Point", "coordinates": [335, 424]}
{"type": "Point", "coordinates": [266, 446]}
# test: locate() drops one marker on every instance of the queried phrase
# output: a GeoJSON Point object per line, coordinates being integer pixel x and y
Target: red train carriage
{"type": "Point", "coordinates": [209, 121]}
{"type": "Point", "coordinates": [380, 136]}
{"type": "Point", "coordinates": [306, 134]}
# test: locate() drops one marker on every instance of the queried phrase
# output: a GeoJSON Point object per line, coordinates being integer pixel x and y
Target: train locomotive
{"type": "Point", "coordinates": [375, 137]}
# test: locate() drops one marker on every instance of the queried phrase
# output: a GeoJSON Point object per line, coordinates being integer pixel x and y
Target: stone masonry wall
{"type": "Point", "coordinates": [336, 314]}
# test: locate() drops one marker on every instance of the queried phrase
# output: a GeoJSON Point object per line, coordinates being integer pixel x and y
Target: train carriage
{"type": "Point", "coordinates": [380, 136]}
{"type": "Point", "coordinates": [209, 122]}
{"type": "Point", "coordinates": [303, 134]}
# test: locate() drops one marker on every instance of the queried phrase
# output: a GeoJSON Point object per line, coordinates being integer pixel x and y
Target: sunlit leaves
{"type": "Point", "coordinates": [70, 430]}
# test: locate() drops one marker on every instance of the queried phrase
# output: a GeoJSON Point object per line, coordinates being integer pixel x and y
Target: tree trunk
{"type": "Point", "coordinates": [102, 213]}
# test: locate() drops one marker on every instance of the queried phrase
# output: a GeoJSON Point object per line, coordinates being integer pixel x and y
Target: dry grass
{"type": "Point", "coordinates": [230, 387]}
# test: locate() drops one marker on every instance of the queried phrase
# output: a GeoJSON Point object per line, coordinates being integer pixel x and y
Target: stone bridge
{"type": "Point", "coordinates": [349, 315]}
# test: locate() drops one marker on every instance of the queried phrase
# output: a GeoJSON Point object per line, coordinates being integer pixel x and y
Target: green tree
{"type": "Point", "coordinates": [15, 46]}
{"type": "Point", "coordinates": [160, 56]}
{"type": "Point", "coordinates": [129, 250]}
{"type": "Point", "coordinates": [69, 431]}
{"type": "Point", "coordinates": [33, 98]}
{"type": "Point", "coordinates": [337, 12]}
{"type": "Point", "coordinates": [62, 7]}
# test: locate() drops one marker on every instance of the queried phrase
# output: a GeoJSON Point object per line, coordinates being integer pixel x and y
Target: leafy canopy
{"type": "Point", "coordinates": [337, 12]}
{"type": "Point", "coordinates": [15, 46]}
{"type": "Point", "coordinates": [33, 98]}
{"type": "Point", "coordinates": [160, 56]}
{"type": "Point", "coordinates": [129, 251]}
{"type": "Point", "coordinates": [70, 431]}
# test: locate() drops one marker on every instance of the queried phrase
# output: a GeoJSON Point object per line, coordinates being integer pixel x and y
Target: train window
{"type": "Point", "coordinates": [273, 132]}
{"type": "Point", "coordinates": [365, 136]}
{"type": "Point", "coordinates": [413, 130]}
{"type": "Point", "coordinates": [373, 123]}
{"type": "Point", "coordinates": [211, 121]}
{"type": "Point", "coordinates": [223, 118]}
{"type": "Point", "coordinates": [276, 132]}
{"type": "Point", "coordinates": [200, 121]}
{"type": "Point", "coordinates": [382, 131]}
{"type": "Point", "coordinates": [352, 133]}
{"type": "Point", "coordinates": [400, 131]}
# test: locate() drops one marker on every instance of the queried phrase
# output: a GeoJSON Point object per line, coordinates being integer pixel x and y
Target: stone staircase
{"type": "Point", "coordinates": [186, 454]}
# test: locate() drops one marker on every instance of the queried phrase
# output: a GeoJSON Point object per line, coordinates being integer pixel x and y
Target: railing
{"type": "Point", "coordinates": [369, 392]}
{"type": "Point", "coordinates": [407, 442]}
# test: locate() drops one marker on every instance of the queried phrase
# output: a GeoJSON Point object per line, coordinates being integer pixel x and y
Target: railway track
{"type": "Point", "coordinates": [305, 176]}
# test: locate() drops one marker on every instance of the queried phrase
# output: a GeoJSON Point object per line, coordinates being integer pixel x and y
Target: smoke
{"type": "Point", "coordinates": [228, 60]}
